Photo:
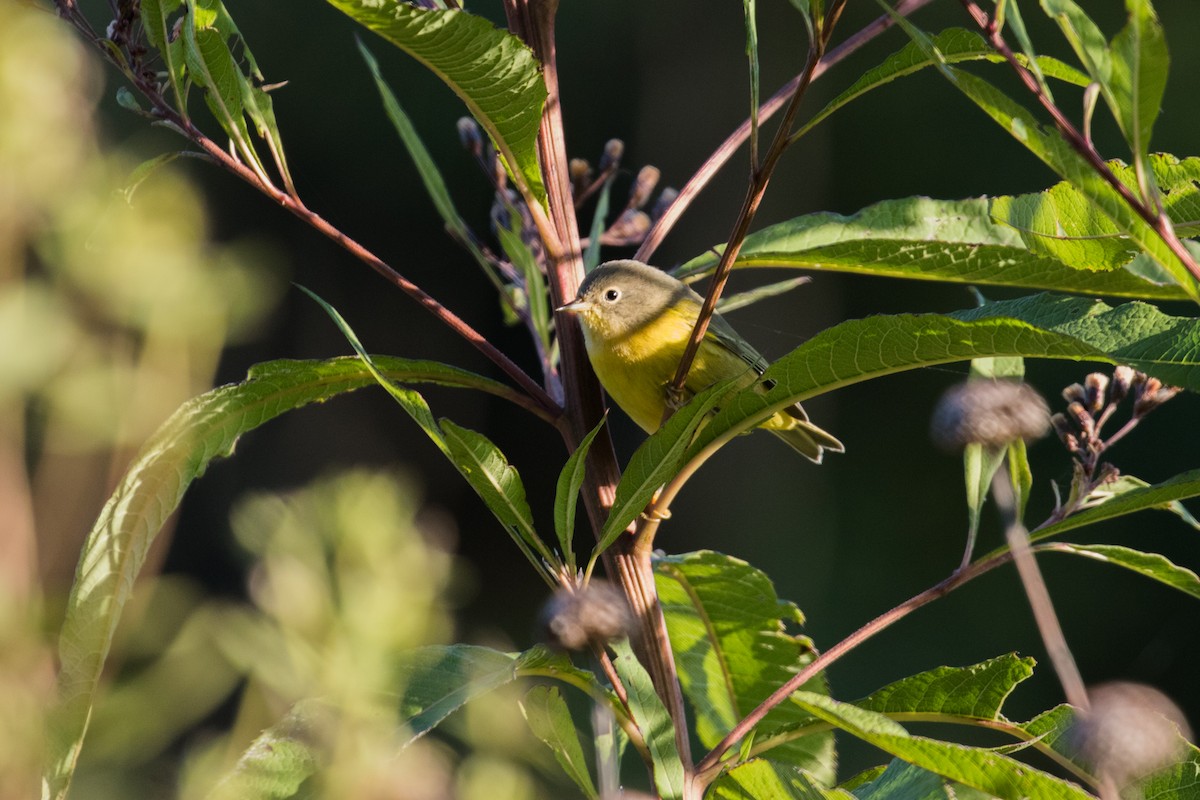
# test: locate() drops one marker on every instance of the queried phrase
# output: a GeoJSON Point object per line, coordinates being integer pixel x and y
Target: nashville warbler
{"type": "Point", "coordinates": [636, 322]}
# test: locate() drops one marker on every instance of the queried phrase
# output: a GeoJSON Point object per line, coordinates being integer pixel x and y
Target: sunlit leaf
{"type": "Point", "coordinates": [652, 719]}
{"type": "Point", "coordinates": [976, 692]}
{"type": "Point", "coordinates": [566, 495]}
{"type": "Point", "coordinates": [1161, 495]}
{"type": "Point", "coordinates": [734, 646]}
{"type": "Point", "coordinates": [916, 238]}
{"type": "Point", "coordinates": [1152, 565]}
{"type": "Point", "coordinates": [279, 760]}
{"type": "Point", "coordinates": [550, 720]}
{"type": "Point", "coordinates": [759, 778]}
{"type": "Point", "coordinates": [491, 70]}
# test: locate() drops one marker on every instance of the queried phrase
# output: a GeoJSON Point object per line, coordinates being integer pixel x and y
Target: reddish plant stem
{"type": "Point", "coordinates": [710, 766]}
{"type": "Point", "coordinates": [759, 180]}
{"type": "Point", "coordinates": [1147, 208]}
{"type": "Point", "coordinates": [725, 151]}
{"type": "Point", "coordinates": [533, 21]}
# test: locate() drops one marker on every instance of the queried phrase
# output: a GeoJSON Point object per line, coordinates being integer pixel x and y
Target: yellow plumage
{"type": "Point", "coordinates": [636, 321]}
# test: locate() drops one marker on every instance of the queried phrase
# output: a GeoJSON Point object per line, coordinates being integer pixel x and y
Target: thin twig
{"type": "Point", "coordinates": [1146, 208]}
{"type": "Point", "coordinates": [720, 156]}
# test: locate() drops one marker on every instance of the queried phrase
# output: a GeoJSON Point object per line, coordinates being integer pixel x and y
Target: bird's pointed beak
{"type": "Point", "coordinates": [578, 304]}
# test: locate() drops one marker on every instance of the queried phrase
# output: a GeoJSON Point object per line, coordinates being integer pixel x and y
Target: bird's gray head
{"type": "Point", "coordinates": [619, 297]}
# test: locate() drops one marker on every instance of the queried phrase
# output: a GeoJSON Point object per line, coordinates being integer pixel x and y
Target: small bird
{"type": "Point", "coordinates": [636, 322]}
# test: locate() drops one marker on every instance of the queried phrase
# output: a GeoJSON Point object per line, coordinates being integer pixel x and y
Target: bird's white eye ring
{"type": "Point", "coordinates": [612, 295]}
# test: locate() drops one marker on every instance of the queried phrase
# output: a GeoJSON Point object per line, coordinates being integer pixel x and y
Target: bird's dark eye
{"type": "Point", "coordinates": [612, 295]}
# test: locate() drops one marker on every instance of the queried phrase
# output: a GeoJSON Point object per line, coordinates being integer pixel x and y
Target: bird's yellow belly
{"type": "Point", "coordinates": [636, 368]}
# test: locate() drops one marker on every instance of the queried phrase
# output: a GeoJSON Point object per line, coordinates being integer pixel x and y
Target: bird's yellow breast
{"type": "Point", "coordinates": [636, 366]}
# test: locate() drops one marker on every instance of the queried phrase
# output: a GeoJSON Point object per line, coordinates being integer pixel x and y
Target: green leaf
{"type": "Point", "coordinates": [1084, 37]}
{"type": "Point", "coordinates": [1139, 75]}
{"type": "Point", "coordinates": [758, 779]}
{"type": "Point", "coordinates": [1177, 782]}
{"type": "Point", "coordinates": [1161, 495]}
{"type": "Point", "coordinates": [750, 13]}
{"type": "Point", "coordinates": [655, 462]}
{"type": "Point", "coordinates": [279, 760]}
{"type": "Point", "coordinates": [591, 256]}
{"type": "Point", "coordinates": [492, 71]}
{"type": "Point", "coordinates": [157, 22]}
{"type": "Point", "coordinates": [522, 257]}
{"type": "Point", "coordinates": [204, 428]}
{"type": "Point", "coordinates": [1053, 150]}
{"type": "Point", "coordinates": [903, 781]}
{"type": "Point", "coordinates": [980, 769]}
{"type": "Point", "coordinates": [1042, 326]}
{"type": "Point", "coordinates": [1060, 222]}
{"type": "Point", "coordinates": [1152, 565]}
{"type": "Point", "coordinates": [653, 721]}
{"type": "Point", "coordinates": [499, 486]}
{"type": "Point", "coordinates": [751, 296]}
{"type": "Point", "coordinates": [550, 720]}
{"type": "Point", "coordinates": [439, 680]}
{"type": "Point", "coordinates": [957, 241]}
{"type": "Point", "coordinates": [733, 648]}
{"type": "Point", "coordinates": [566, 496]}
{"type": "Point", "coordinates": [956, 45]}
{"type": "Point", "coordinates": [431, 178]}
{"type": "Point", "coordinates": [1127, 483]}
{"type": "Point", "coordinates": [974, 692]}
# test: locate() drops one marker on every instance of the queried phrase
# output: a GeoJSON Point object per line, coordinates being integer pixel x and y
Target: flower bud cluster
{"type": "Point", "coordinates": [1092, 403]}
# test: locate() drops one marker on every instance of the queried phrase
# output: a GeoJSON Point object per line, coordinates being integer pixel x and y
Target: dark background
{"type": "Point", "coordinates": [846, 541]}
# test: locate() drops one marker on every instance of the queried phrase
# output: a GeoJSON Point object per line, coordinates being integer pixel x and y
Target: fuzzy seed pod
{"type": "Point", "coordinates": [1122, 379]}
{"type": "Point", "coordinates": [989, 412]}
{"type": "Point", "coordinates": [1075, 393]}
{"type": "Point", "coordinates": [1095, 385]}
{"type": "Point", "coordinates": [1082, 419]}
{"type": "Point", "coordinates": [665, 198]}
{"type": "Point", "coordinates": [613, 150]}
{"type": "Point", "coordinates": [1130, 731]}
{"type": "Point", "coordinates": [596, 613]}
{"type": "Point", "coordinates": [643, 185]}
{"type": "Point", "coordinates": [470, 136]}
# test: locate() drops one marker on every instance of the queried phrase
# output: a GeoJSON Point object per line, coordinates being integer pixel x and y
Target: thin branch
{"type": "Point", "coordinates": [1146, 208]}
{"type": "Point", "coordinates": [725, 151]}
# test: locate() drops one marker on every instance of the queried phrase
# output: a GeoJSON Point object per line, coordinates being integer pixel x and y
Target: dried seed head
{"type": "Point", "coordinates": [989, 412]}
{"type": "Point", "coordinates": [1122, 379]}
{"type": "Point", "coordinates": [581, 173]}
{"type": "Point", "coordinates": [665, 198]}
{"type": "Point", "coordinates": [1082, 418]}
{"type": "Point", "coordinates": [1075, 393]}
{"type": "Point", "coordinates": [643, 185]}
{"type": "Point", "coordinates": [596, 613]}
{"type": "Point", "coordinates": [630, 228]}
{"type": "Point", "coordinates": [613, 150]}
{"type": "Point", "coordinates": [1151, 394]}
{"type": "Point", "coordinates": [470, 136]}
{"type": "Point", "coordinates": [1065, 431]}
{"type": "Point", "coordinates": [1130, 731]}
{"type": "Point", "coordinates": [1095, 385]}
